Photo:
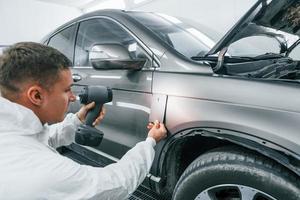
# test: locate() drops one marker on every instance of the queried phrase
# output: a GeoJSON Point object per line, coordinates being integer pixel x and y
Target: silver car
{"type": "Point", "coordinates": [231, 107]}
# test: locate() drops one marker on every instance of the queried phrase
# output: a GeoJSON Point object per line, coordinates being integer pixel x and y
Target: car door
{"type": "Point", "coordinates": [64, 41]}
{"type": "Point", "coordinates": [127, 115]}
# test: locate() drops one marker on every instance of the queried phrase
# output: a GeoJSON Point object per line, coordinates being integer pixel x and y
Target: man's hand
{"type": "Point", "coordinates": [81, 114]}
{"type": "Point", "coordinates": [157, 131]}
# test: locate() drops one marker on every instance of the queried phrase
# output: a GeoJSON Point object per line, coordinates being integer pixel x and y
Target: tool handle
{"type": "Point", "coordinates": [93, 114]}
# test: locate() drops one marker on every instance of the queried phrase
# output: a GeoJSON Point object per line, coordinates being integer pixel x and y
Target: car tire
{"type": "Point", "coordinates": [233, 173]}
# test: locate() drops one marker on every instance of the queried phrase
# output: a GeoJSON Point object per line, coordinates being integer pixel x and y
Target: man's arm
{"type": "Point", "coordinates": [116, 181]}
{"type": "Point", "coordinates": [63, 133]}
{"type": "Point", "coordinates": [119, 180]}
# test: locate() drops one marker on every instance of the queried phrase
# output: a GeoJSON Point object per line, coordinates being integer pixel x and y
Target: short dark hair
{"type": "Point", "coordinates": [30, 61]}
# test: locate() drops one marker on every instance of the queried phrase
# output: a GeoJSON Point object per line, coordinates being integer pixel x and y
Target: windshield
{"type": "Point", "coordinates": [186, 40]}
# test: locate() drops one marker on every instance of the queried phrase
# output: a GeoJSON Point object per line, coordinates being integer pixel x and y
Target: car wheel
{"type": "Point", "coordinates": [233, 173]}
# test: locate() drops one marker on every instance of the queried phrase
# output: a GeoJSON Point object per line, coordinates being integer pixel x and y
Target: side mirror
{"type": "Point", "coordinates": [113, 56]}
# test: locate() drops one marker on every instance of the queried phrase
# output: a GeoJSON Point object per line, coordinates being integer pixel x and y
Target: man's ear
{"type": "Point", "coordinates": [35, 95]}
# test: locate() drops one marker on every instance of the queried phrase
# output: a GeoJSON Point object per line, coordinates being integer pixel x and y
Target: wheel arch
{"type": "Point", "coordinates": [179, 151]}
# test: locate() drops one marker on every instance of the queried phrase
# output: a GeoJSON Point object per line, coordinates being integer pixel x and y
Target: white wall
{"type": "Point", "coordinates": [30, 20]}
{"type": "Point", "coordinates": [216, 14]}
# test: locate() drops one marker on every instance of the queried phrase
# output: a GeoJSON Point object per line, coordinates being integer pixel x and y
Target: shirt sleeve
{"type": "Point", "coordinates": [116, 181]}
{"type": "Point", "coordinates": [63, 133]}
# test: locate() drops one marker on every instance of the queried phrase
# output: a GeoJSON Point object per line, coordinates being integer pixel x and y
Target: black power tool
{"type": "Point", "coordinates": [86, 134]}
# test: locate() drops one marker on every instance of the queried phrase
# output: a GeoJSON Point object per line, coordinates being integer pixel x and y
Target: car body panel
{"type": "Point", "coordinates": [249, 108]}
{"type": "Point", "coordinates": [261, 114]}
{"type": "Point", "coordinates": [131, 102]}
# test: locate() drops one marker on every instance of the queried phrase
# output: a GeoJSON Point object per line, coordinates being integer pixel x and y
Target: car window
{"type": "Point", "coordinates": [103, 31]}
{"type": "Point", "coordinates": [64, 41]}
{"type": "Point", "coordinates": [178, 35]}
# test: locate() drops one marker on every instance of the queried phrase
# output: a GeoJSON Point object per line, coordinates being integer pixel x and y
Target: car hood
{"type": "Point", "coordinates": [273, 18]}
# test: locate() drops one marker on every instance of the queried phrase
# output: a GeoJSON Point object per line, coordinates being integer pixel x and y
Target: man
{"type": "Point", "coordinates": [35, 84]}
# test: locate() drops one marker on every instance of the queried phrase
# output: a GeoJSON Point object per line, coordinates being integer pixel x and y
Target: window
{"type": "Point", "coordinates": [64, 41]}
{"type": "Point", "coordinates": [103, 31]}
{"type": "Point", "coordinates": [177, 34]}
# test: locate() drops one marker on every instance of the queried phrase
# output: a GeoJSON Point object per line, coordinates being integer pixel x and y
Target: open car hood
{"type": "Point", "coordinates": [279, 19]}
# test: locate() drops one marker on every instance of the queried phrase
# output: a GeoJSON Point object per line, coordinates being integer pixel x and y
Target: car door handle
{"type": "Point", "coordinates": [76, 77]}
